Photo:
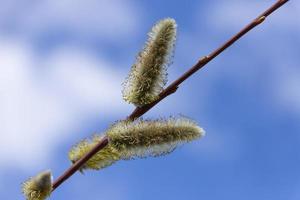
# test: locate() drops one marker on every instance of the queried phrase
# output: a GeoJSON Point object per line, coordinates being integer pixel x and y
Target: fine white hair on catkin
{"type": "Point", "coordinates": [137, 139]}
{"type": "Point", "coordinates": [142, 138]}
{"type": "Point", "coordinates": [104, 158]}
{"type": "Point", "coordinates": [38, 187]}
{"type": "Point", "coordinates": [148, 75]}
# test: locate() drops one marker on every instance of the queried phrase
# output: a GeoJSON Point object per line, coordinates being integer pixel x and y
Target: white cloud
{"type": "Point", "coordinates": [41, 101]}
{"type": "Point", "coordinates": [218, 145]}
{"type": "Point", "coordinates": [236, 14]}
{"type": "Point", "coordinates": [286, 85]}
{"type": "Point", "coordinates": [92, 82]}
{"type": "Point", "coordinates": [273, 49]}
{"type": "Point", "coordinates": [104, 19]}
{"type": "Point", "coordinates": [290, 90]}
{"type": "Point", "coordinates": [42, 98]}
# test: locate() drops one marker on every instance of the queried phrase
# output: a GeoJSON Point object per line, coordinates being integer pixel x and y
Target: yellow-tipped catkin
{"type": "Point", "coordinates": [143, 138]}
{"type": "Point", "coordinates": [38, 187]}
{"type": "Point", "coordinates": [104, 158]}
{"type": "Point", "coordinates": [148, 75]}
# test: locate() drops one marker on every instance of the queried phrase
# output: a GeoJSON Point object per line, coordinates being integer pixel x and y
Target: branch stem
{"type": "Point", "coordinates": [139, 111]}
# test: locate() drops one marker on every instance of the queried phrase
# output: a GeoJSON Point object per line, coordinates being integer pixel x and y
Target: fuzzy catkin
{"type": "Point", "coordinates": [104, 158]}
{"type": "Point", "coordinates": [38, 187]}
{"type": "Point", "coordinates": [142, 138]}
{"type": "Point", "coordinates": [148, 75]}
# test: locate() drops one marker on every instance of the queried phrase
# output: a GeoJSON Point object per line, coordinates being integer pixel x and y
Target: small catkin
{"type": "Point", "coordinates": [148, 75]}
{"type": "Point", "coordinates": [104, 158]}
{"type": "Point", "coordinates": [142, 138]}
{"type": "Point", "coordinates": [38, 187]}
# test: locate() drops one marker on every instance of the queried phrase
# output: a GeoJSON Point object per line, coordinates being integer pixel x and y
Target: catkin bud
{"type": "Point", "coordinates": [104, 158]}
{"type": "Point", "coordinates": [38, 187]}
{"type": "Point", "coordinates": [148, 75]}
{"type": "Point", "coordinates": [143, 138]}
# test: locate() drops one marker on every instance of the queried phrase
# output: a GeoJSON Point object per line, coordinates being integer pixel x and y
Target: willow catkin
{"type": "Point", "coordinates": [139, 138]}
{"type": "Point", "coordinates": [143, 138]}
{"type": "Point", "coordinates": [104, 158]}
{"type": "Point", "coordinates": [38, 187]}
{"type": "Point", "coordinates": [148, 75]}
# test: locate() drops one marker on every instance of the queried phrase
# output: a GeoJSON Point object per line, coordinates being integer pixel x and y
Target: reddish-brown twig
{"type": "Point", "coordinates": [139, 111]}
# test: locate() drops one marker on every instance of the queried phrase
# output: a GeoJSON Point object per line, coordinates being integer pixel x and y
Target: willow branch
{"type": "Point", "coordinates": [139, 111]}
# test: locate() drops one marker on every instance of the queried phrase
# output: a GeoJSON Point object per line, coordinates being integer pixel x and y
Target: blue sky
{"type": "Point", "coordinates": [62, 63]}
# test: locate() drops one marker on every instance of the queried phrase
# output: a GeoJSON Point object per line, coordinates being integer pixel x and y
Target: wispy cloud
{"type": "Point", "coordinates": [104, 19]}
{"type": "Point", "coordinates": [235, 14]}
{"type": "Point", "coordinates": [286, 86]}
{"type": "Point", "coordinates": [280, 30]}
{"type": "Point", "coordinates": [44, 96]}
{"type": "Point", "coordinates": [38, 109]}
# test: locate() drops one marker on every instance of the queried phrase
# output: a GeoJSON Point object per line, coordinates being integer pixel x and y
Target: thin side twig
{"type": "Point", "coordinates": [139, 111]}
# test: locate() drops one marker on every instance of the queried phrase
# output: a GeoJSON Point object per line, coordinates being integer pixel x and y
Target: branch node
{"type": "Point", "coordinates": [260, 19]}
{"type": "Point", "coordinates": [173, 90]}
{"type": "Point", "coordinates": [204, 59]}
